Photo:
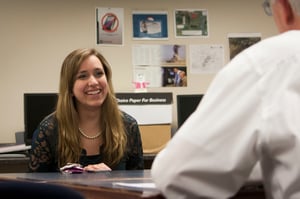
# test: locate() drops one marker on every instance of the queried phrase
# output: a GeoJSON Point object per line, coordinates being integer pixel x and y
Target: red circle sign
{"type": "Point", "coordinates": [109, 22]}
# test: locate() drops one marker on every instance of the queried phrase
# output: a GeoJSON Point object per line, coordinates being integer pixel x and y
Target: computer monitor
{"type": "Point", "coordinates": [186, 105]}
{"type": "Point", "coordinates": [36, 107]}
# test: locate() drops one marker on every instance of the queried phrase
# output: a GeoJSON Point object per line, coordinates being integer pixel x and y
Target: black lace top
{"type": "Point", "coordinates": [43, 153]}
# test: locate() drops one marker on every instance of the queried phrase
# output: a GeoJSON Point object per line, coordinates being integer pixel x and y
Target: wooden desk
{"type": "Point", "coordinates": [16, 167]}
{"type": "Point", "coordinates": [104, 185]}
{"type": "Point", "coordinates": [14, 164]}
{"type": "Point", "coordinates": [100, 185]}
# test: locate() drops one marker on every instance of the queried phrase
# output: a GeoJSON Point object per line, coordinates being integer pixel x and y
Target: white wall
{"type": "Point", "coordinates": [36, 35]}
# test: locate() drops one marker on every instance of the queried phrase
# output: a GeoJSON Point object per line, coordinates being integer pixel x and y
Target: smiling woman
{"type": "Point", "coordinates": [87, 126]}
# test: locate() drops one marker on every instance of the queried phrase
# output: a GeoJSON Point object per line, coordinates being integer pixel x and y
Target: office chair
{"type": "Point", "coordinates": [155, 137]}
{"type": "Point", "coordinates": [35, 190]}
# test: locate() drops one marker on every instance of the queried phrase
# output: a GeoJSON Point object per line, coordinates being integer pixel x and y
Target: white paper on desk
{"type": "Point", "coordinates": [14, 148]}
{"type": "Point", "coordinates": [12, 155]}
{"type": "Point", "coordinates": [147, 185]}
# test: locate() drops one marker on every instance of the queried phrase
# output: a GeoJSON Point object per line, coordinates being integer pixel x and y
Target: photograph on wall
{"type": "Point", "coordinates": [206, 58]}
{"type": "Point", "coordinates": [159, 65]}
{"type": "Point", "coordinates": [175, 76]}
{"type": "Point", "coordinates": [150, 25]}
{"type": "Point", "coordinates": [109, 26]}
{"type": "Point", "coordinates": [191, 23]}
{"type": "Point", "coordinates": [173, 62]}
{"type": "Point", "coordinates": [146, 77]}
{"type": "Point", "coordinates": [240, 41]}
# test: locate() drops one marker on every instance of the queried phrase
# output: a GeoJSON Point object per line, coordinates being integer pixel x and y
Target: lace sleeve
{"type": "Point", "coordinates": [134, 146]}
{"type": "Point", "coordinates": [42, 154]}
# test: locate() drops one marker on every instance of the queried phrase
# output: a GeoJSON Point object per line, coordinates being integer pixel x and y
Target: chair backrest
{"type": "Point", "coordinates": [154, 137]}
{"type": "Point", "coordinates": [37, 190]}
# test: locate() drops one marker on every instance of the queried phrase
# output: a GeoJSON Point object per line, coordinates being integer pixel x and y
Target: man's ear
{"type": "Point", "coordinates": [287, 12]}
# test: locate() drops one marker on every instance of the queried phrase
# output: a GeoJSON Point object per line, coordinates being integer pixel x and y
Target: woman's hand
{"type": "Point", "coordinates": [97, 167]}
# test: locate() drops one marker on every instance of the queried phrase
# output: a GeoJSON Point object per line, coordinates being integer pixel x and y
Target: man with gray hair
{"type": "Point", "coordinates": [249, 115]}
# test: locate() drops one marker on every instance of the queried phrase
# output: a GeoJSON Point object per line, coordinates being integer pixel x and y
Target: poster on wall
{"type": "Point", "coordinates": [159, 66]}
{"type": "Point", "coordinates": [109, 26]}
{"type": "Point", "coordinates": [191, 23]}
{"type": "Point", "coordinates": [240, 41]}
{"type": "Point", "coordinates": [206, 58]}
{"type": "Point", "coordinates": [150, 25]}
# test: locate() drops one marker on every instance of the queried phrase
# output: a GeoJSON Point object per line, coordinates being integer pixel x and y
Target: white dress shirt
{"type": "Point", "coordinates": [250, 114]}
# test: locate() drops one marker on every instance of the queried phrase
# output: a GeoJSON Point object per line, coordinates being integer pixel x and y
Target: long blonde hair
{"type": "Point", "coordinates": [114, 136]}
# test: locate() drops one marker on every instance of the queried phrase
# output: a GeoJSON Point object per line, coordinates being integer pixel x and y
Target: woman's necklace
{"type": "Point", "coordinates": [89, 137]}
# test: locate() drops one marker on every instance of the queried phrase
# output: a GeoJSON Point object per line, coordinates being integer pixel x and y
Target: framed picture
{"type": "Point", "coordinates": [160, 65]}
{"type": "Point", "coordinates": [240, 41]}
{"type": "Point", "coordinates": [206, 58]}
{"type": "Point", "coordinates": [109, 26]}
{"type": "Point", "coordinates": [191, 23]}
{"type": "Point", "coordinates": [150, 25]}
